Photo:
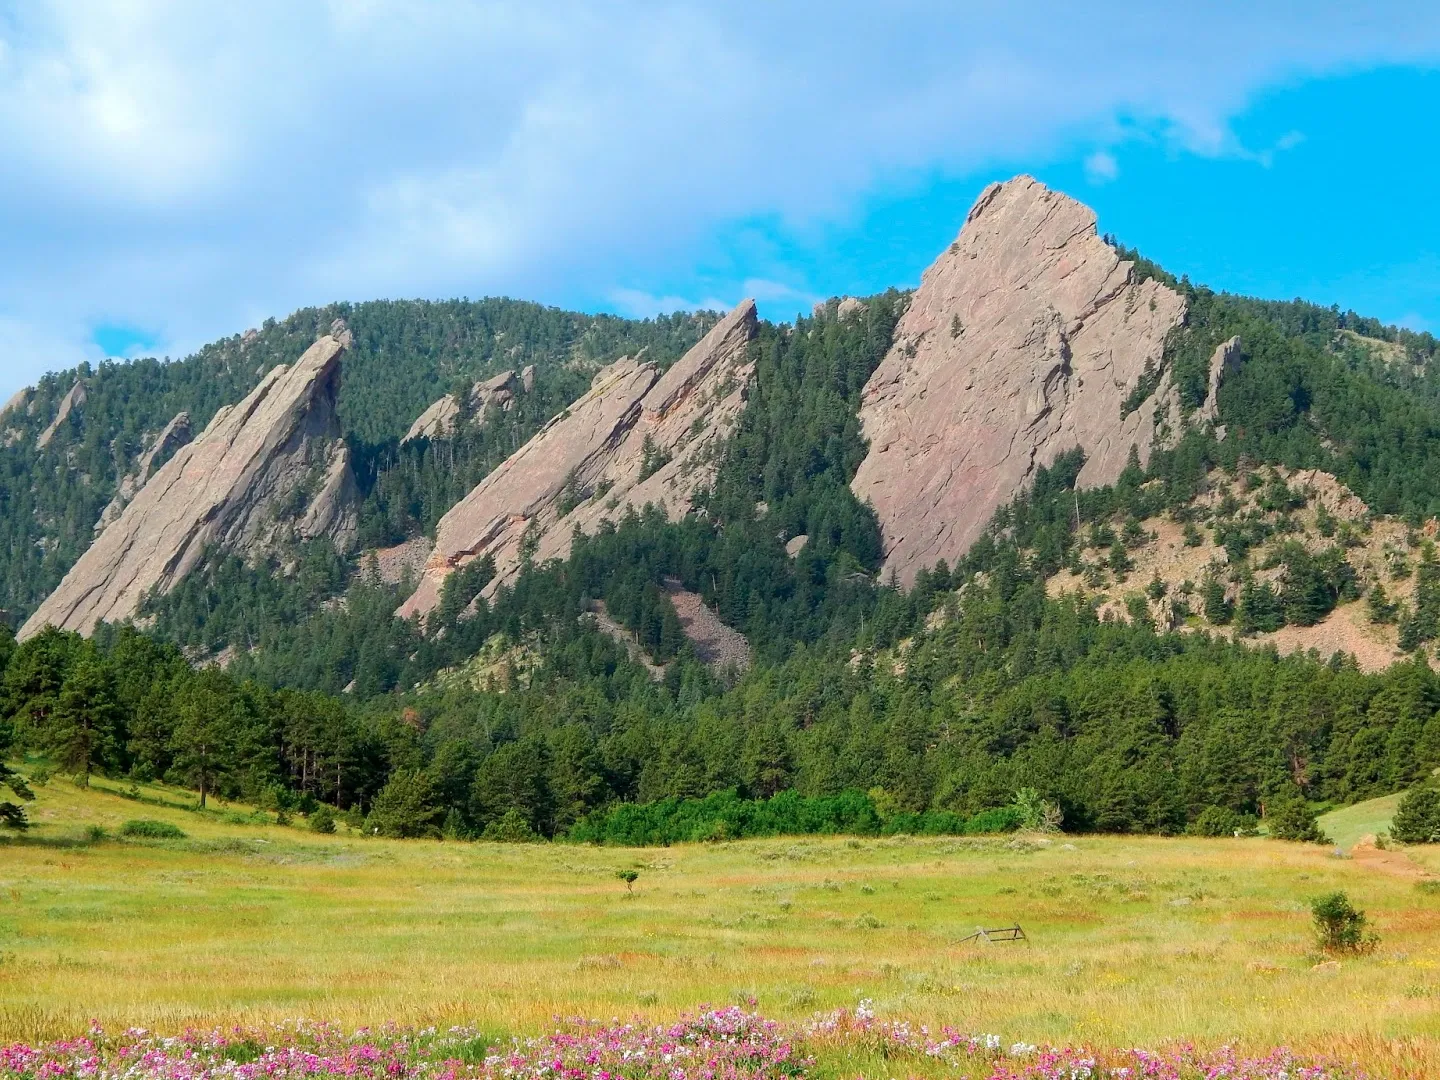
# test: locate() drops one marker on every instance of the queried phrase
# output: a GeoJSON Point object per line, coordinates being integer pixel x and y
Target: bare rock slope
{"type": "Point", "coordinates": [1025, 339]}
{"type": "Point", "coordinates": [637, 437]}
{"type": "Point", "coordinates": [74, 399]}
{"type": "Point", "coordinates": [271, 468]}
{"type": "Point", "coordinates": [440, 418]}
{"type": "Point", "coordinates": [174, 435]}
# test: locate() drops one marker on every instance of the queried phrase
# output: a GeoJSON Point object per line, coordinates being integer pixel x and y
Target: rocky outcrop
{"type": "Point", "coordinates": [637, 437]}
{"type": "Point", "coordinates": [17, 399]}
{"type": "Point", "coordinates": [1223, 362]}
{"type": "Point", "coordinates": [1026, 338]}
{"type": "Point", "coordinates": [438, 421]}
{"type": "Point", "coordinates": [174, 435]}
{"type": "Point", "coordinates": [74, 398]}
{"type": "Point", "coordinates": [271, 469]}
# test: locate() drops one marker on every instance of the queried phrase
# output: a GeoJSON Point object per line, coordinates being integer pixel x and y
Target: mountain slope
{"type": "Point", "coordinates": [405, 355]}
{"type": "Point", "coordinates": [270, 468]}
{"type": "Point", "coordinates": [637, 437]}
{"type": "Point", "coordinates": [1027, 338]}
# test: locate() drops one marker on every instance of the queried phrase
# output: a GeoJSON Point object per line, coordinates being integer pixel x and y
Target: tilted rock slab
{"type": "Point", "coordinates": [1225, 361]}
{"type": "Point", "coordinates": [591, 460]}
{"type": "Point", "coordinates": [438, 421]}
{"type": "Point", "coordinates": [1024, 340]}
{"type": "Point", "coordinates": [271, 468]}
{"type": "Point", "coordinates": [174, 435]}
{"type": "Point", "coordinates": [74, 398]}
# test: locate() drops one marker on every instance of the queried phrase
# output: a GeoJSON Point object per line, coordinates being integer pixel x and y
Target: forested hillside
{"type": "Point", "coordinates": [405, 355]}
{"type": "Point", "coordinates": [932, 706]}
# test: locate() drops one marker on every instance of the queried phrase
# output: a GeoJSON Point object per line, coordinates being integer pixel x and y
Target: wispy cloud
{"type": "Point", "coordinates": [184, 166]}
{"type": "Point", "coordinates": [1101, 167]}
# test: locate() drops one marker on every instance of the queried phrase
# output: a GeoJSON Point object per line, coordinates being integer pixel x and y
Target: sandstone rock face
{"type": "Point", "coordinates": [1224, 361]}
{"type": "Point", "coordinates": [17, 399]}
{"type": "Point", "coordinates": [1024, 340]}
{"type": "Point", "coordinates": [636, 437]}
{"type": "Point", "coordinates": [174, 435]}
{"type": "Point", "coordinates": [269, 469]}
{"type": "Point", "coordinates": [438, 421]}
{"type": "Point", "coordinates": [74, 398]}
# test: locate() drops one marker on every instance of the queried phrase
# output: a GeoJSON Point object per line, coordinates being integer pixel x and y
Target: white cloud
{"type": "Point", "coordinates": [1101, 167]}
{"type": "Point", "coordinates": [187, 167]}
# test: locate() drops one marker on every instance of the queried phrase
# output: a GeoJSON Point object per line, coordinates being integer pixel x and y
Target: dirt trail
{"type": "Point", "coordinates": [1385, 860]}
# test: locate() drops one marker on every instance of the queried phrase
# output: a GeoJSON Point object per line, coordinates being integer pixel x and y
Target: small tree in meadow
{"type": "Point", "coordinates": [404, 807]}
{"type": "Point", "coordinates": [1340, 927]}
{"type": "Point", "coordinates": [1290, 818]}
{"type": "Point", "coordinates": [12, 815]}
{"type": "Point", "coordinates": [629, 877]}
{"type": "Point", "coordinates": [1417, 819]}
{"type": "Point", "coordinates": [321, 819]}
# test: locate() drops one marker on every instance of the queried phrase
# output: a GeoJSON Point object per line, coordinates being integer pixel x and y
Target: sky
{"type": "Point", "coordinates": [173, 172]}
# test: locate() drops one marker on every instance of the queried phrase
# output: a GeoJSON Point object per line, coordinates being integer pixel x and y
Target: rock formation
{"type": "Point", "coordinates": [174, 435]}
{"type": "Point", "coordinates": [1224, 361]}
{"type": "Point", "coordinates": [269, 469]}
{"type": "Point", "coordinates": [1025, 339]}
{"type": "Point", "coordinates": [637, 437]}
{"type": "Point", "coordinates": [17, 399]}
{"type": "Point", "coordinates": [74, 398]}
{"type": "Point", "coordinates": [439, 419]}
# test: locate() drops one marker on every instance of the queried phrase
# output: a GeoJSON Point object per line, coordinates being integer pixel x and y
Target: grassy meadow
{"type": "Point", "coordinates": [1133, 940]}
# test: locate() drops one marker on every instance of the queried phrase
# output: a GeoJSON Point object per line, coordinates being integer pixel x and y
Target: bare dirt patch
{"type": "Point", "coordinates": [1386, 860]}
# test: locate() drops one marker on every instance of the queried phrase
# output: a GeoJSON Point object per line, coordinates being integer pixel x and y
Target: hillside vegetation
{"type": "Point", "coordinates": [1121, 677]}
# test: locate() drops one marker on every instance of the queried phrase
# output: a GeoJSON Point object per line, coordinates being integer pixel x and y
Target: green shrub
{"type": "Point", "coordinates": [1221, 821]}
{"type": "Point", "coordinates": [1340, 927]}
{"type": "Point", "coordinates": [321, 819]}
{"type": "Point", "coordinates": [1417, 819]}
{"type": "Point", "coordinates": [1290, 818]}
{"type": "Point", "coordinates": [511, 828]}
{"type": "Point", "coordinates": [147, 829]}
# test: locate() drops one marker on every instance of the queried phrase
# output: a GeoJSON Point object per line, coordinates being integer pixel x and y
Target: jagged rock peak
{"type": "Point", "coordinates": [234, 488]}
{"type": "Point", "coordinates": [174, 435]}
{"type": "Point", "coordinates": [637, 437]}
{"type": "Point", "coordinates": [74, 398]}
{"type": "Point", "coordinates": [1026, 338]}
{"type": "Point", "coordinates": [440, 418]}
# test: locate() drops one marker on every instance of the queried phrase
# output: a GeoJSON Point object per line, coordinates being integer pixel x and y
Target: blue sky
{"type": "Point", "coordinates": [177, 172]}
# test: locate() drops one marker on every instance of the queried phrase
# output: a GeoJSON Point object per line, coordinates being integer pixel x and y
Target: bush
{"type": "Point", "coordinates": [147, 829]}
{"type": "Point", "coordinates": [1035, 813]}
{"type": "Point", "coordinates": [1340, 927]}
{"type": "Point", "coordinates": [1290, 818]}
{"type": "Point", "coordinates": [1417, 819]}
{"type": "Point", "coordinates": [321, 820]}
{"type": "Point", "coordinates": [1221, 821]}
{"type": "Point", "coordinates": [511, 828]}
{"type": "Point", "coordinates": [405, 807]}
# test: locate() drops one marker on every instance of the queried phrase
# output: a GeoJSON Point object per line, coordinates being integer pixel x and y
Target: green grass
{"type": "Point", "coordinates": [1347, 825]}
{"type": "Point", "coordinates": [1134, 940]}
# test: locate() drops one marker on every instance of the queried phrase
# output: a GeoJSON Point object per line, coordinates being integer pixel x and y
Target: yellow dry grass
{"type": "Point", "coordinates": [1134, 941]}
